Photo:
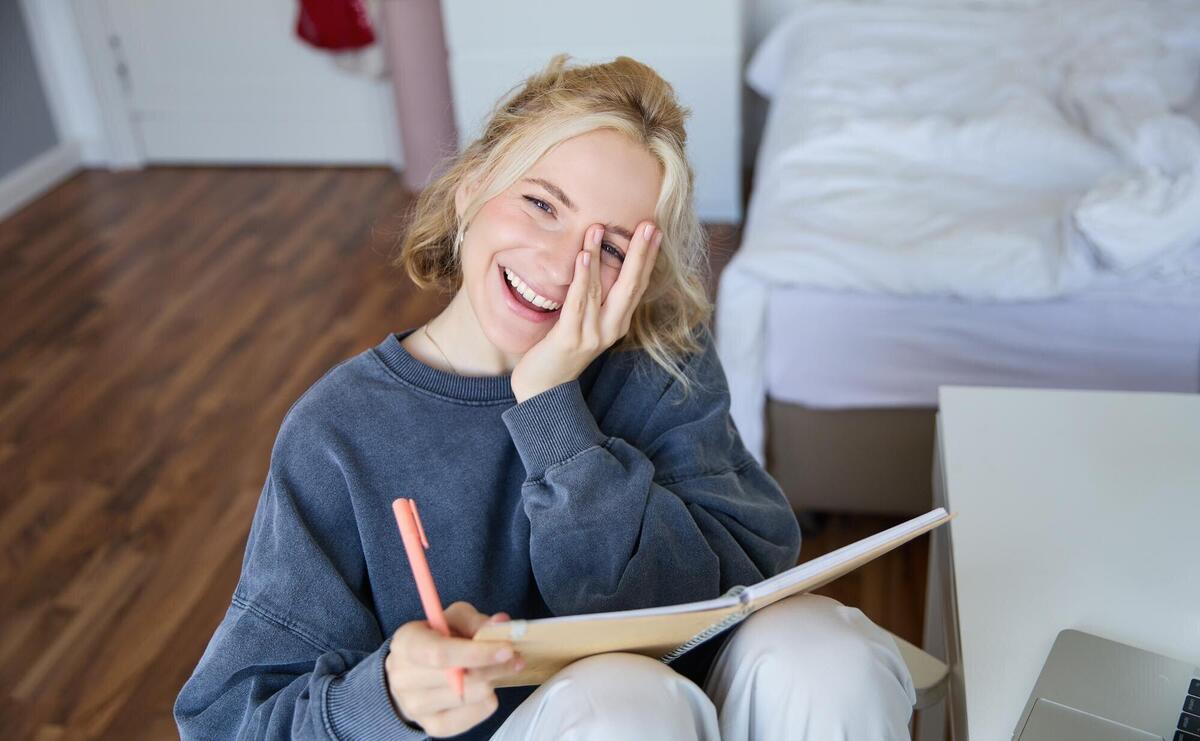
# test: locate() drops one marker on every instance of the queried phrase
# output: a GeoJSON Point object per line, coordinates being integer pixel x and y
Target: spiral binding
{"type": "Point", "coordinates": [715, 628]}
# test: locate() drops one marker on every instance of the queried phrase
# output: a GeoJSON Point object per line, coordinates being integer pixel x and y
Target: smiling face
{"type": "Point", "coordinates": [532, 231]}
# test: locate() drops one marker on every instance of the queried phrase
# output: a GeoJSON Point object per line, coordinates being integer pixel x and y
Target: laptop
{"type": "Point", "coordinates": [1097, 689]}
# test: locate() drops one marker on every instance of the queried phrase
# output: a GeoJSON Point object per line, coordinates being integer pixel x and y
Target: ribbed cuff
{"type": "Point", "coordinates": [552, 426]}
{"type": "Point", "coordinates": [358, 704]}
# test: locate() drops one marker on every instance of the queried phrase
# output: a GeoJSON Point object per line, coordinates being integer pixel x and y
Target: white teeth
{"type": "Point", "coordinates": [533, 297]}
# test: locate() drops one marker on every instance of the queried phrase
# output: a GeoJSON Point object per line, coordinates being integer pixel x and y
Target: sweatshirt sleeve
{"type": "Point", "coordinates": [684, 516]}
{"type": "Point", "coordinates": [299, 653]}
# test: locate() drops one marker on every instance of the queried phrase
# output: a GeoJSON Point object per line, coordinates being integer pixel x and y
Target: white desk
{"type": "Point", "coordinates": [1076, 509]}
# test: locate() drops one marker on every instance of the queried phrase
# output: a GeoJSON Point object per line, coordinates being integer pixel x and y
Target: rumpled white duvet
{"type": "Point", "coordinates": [993, 150]}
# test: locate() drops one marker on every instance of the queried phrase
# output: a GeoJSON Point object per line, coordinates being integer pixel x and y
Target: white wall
{"type": "Point", "coordinates": [214, 81]}
{"type": "Point", "coordinates": [493, 48]}
{"type": "Point", "coordinates": [59, 50]}
{"type": "Point", "coordinates": [26, 125]}
{"type": "Point", "coordinates": [36, 152]}
{"type": "Point", "coordinates": [229, 81]}
{"type": "Point", "coordinates": [82, 121]}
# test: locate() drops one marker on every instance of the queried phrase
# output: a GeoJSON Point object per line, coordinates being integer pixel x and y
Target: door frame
{"type": "Point", "coordinates": [73, 43]}
{"type": "Point", "coordinates": [101, 48]}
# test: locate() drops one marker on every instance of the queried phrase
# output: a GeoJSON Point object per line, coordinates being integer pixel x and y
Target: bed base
{"type": "Point", "coordinates": [877, 461]}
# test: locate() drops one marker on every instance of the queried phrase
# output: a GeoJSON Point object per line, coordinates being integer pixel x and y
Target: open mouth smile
{"type": "Point", "coordinates": [525, 296]}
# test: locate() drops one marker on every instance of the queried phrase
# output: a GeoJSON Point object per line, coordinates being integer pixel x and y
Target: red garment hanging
{"type": "Point", "coordinates": [334, 24]}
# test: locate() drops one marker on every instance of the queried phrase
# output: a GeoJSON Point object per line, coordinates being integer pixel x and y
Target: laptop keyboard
{"type": "Point", "coordinates": [1189, 720]}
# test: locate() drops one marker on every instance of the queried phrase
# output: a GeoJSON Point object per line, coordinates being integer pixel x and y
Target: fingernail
{"type": "Point", "coordinates": [504, 654]}
{"type": "Point", "coordinates": [587, 259]}
{"type": "Point", "coordinates": [596, 235]}
{"type": "Point", "coordinates": [646, 230]}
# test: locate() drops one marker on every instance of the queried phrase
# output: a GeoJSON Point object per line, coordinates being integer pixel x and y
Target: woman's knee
{"type": "Point", "coordinates": [623, 695]}
{"type": "Point", "coordinates": [818, 646]}
{"type": "Point", "coordinates": [641, 672]}
{"type": "Point", "coordinates": [627, 681]}
{"type": "Point", "coordinates": [810, 662]}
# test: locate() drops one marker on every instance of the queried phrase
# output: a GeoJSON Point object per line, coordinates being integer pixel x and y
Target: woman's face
{"type": "Point", "coordinates": [536, 227]}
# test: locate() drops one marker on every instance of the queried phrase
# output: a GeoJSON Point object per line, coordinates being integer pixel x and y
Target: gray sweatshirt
{"type": "Point", "coordinates": [608, 492]}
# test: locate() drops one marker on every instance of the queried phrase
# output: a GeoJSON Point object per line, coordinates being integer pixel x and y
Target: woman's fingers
{"type": "Point", "coordinates": [417, 677]}
{"type": "Point", "coordinates": [428, 648]}
{"type": "Point", "coordinates": [458, 719]}
{"type": "Point", "coordinates": [633, 279]}
{"type": "Point", "coordinates": [417, 681]}
{"type": "Point", "coordinates": [496, 672]}
{"type": "Point", "coordinates": [591, 308]}
{"type": "Point", "coordinates": [586, 313]}
{"type": "Point", "coordinates": [651, 260]}
{"type": "Point", "coordinates": [478, 687]}
{"type": "Point", "coordinates": [571, 317]}
{"type": "Point", "coordinates": [464, 619]}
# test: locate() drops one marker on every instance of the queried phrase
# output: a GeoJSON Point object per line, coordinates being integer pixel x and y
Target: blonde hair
{"type": "Point", "coordinates": [552, 105]}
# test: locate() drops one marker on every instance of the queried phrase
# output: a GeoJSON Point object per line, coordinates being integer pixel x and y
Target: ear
{"type": "Point", "coordinates": [464, 192]}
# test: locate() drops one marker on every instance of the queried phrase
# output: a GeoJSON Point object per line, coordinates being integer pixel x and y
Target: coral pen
{"type": "Point", "coordinates": [415, 543]}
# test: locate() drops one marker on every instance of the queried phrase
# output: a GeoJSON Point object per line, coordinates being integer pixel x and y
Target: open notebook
{"type": "Point", "coordinates": [666, 633]}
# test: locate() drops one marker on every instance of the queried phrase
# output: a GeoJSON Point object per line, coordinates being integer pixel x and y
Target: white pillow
{"type": "Point", "coordinates": [768, 63]}
{"type": "Point", "coordinates": [766, 66]}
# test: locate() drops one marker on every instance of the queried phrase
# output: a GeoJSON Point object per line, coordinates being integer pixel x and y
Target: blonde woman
{"type": "Point", "coordinates": [564, 427]}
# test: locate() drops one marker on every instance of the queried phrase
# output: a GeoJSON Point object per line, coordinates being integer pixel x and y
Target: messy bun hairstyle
{"type": "Point", "coordinates": [558, 103]}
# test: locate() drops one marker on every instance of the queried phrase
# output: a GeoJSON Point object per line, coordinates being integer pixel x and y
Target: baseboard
{"type": "Point", "coordinates": [37, 176]}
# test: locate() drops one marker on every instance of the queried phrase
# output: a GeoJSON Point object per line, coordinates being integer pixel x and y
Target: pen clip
{"type": "Point", "coordinates": [412, 505]}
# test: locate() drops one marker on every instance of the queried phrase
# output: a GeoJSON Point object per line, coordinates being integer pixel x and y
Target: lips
{"type": "Point", "coordinates": [524, 301]}
{"type": "Point", "coordinates": [522, 308]}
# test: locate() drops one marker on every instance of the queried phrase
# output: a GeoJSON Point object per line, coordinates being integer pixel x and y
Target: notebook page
{"type": "Point", "coordinates": [841, 555]}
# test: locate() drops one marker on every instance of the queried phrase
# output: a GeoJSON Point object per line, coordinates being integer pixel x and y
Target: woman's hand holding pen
{"type": "Point", "coordinates": [587, 327]}
{"type": "Point", "coordinates": [416, 671]}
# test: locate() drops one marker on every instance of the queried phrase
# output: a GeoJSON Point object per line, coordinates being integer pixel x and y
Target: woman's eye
{"type": "Point", "coordinates": [538, 203]}
{"type": "Point", "coordinates": [616, 252]}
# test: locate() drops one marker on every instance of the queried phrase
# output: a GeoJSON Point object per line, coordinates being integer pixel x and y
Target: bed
{"type": "Point", "coordinates": [974, 193]}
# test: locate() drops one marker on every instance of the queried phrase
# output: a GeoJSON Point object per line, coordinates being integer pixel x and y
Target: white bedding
{"type": "Point", "coordinates": [843, 350]}
{"type": "Point", "coordinates": [982, 151]}
{"type": "Point", "coordinates": [846, 349]}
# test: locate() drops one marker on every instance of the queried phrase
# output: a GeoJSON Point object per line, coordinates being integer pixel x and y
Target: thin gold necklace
{"type": "Point", "coordinates": [425, 329]}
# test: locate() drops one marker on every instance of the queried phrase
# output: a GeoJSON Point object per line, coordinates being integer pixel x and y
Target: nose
{"type": "Point", "coordinates": [560, 263]}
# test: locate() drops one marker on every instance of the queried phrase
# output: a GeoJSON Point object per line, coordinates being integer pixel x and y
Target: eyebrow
{"type": "Point", "coordinates": [558, 193]}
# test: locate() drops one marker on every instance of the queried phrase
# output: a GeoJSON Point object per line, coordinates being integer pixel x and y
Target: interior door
{"type": "Point", "coordinates": [229, 81]}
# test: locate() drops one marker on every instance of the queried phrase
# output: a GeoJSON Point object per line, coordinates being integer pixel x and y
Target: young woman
{"type": "Point", "coordinates": [564, 427]}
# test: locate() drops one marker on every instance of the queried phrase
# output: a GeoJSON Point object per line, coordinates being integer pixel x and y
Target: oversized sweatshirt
{"type": "Point", "coordinates": [611, 491]}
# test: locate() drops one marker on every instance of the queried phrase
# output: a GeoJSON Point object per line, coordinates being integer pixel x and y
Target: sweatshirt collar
{"type": "Point", "coordinates": [440, 382]}
{"type": "Point", "coordinates": [475, 389]}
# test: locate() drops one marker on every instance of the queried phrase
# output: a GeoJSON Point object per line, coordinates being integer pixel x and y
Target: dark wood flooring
{"type": "Point", "coordinates": [156, 327]}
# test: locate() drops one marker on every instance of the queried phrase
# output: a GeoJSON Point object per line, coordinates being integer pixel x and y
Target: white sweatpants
{"type": "Point", "coordinates": [807, 667]}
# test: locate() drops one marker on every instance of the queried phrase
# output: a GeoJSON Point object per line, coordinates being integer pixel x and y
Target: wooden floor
{"type": "Point", "coordinates": [156, 326]}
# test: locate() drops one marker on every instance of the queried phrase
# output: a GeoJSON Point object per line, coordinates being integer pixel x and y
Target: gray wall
{"type": "Point", "coordinates": [26, 125]}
